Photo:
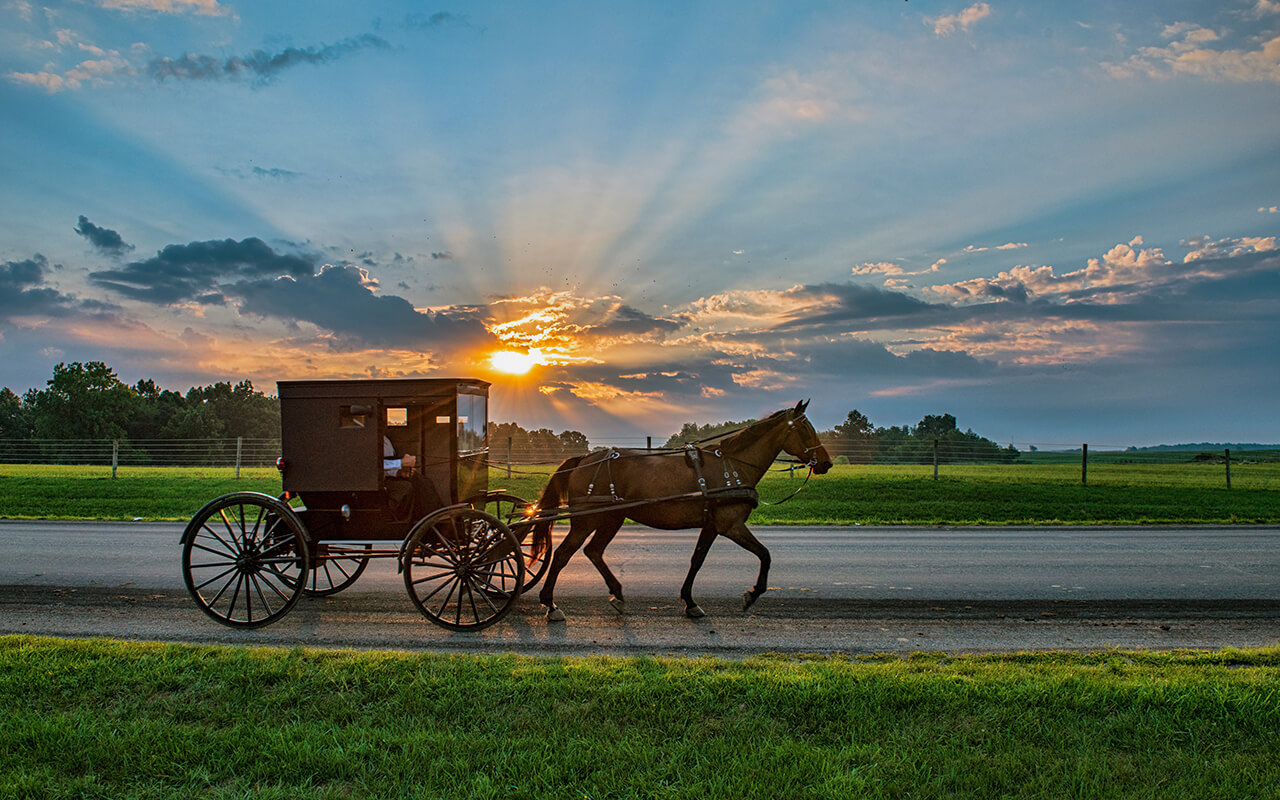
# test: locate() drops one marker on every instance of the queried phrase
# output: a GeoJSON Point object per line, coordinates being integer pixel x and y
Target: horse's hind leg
{"type": "Point", "coordinates": [742, 535]}
{"type": "Point", "coordinates": [606, 529]}
{"type": "Point", "coordinates": [705, 540]}
{"type": "Point", "coordinates": [578, 532]}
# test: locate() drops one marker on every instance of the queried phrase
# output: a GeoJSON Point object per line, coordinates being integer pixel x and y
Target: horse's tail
{"type": "Point", "coordinates": [555, 495]}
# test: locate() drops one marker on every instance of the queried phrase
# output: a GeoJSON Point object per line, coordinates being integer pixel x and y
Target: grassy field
{"type": "Point", "coordinates": [128, 720]}
{"type": "Point", "coordinates": [868, 495]}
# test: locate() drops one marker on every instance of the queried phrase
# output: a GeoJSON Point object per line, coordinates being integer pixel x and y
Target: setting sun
{"type": "Point", "coordinates": [513, 362]}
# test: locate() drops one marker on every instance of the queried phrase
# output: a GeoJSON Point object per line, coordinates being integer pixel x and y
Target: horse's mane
{"type": "Point", "coordinates": [730, 438]}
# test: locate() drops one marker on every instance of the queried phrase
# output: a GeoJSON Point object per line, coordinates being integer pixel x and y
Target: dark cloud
{"type": "Point", "coordinates": [342, 299]}
{"type": "Point", "coordinates": [259, 64]}
{"type": "Point", "coordinates": [23, 293]}
{"type": "Point", "coordinates": [444, 255]}
{"type": "Point", "coordinates": [418, 21]}
{"type": "Point", "coordinates": [275, 172]}
{"type": "Point", "coordinates": [627, 321]}
{"type": "Point", "coordinates": [105, 239]}
{"type": "Point", "coordinates": [182, 272]}
{"type": "Point", "coordinates": [841, 304]}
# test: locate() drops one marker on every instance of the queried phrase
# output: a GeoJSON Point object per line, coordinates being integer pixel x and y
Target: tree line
{"type": "Point", "coordinates": [857, 441]}
{"type": "Point", "coordinates": [88, 401]}
{"type": "Point", "coordinates": [934, 437]}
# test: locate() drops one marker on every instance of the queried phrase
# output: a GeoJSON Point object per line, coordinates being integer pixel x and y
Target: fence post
{"type": "Point", "coordinates": [1227, 453]}
{"type": "Point", "coordinates": [935, 459]}
{"type": "Point", "coordinates": [508, 458]}
{"type": "Point", "coordinates": [239, 450]}
{"type": "Point", "coordinates": [648, 443]}
{"type": "Point", "coordinates": [115, 456]}
{"type": "Point", "coordinates": [1084, 465]}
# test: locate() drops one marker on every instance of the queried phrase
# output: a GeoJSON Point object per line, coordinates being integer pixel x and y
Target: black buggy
{"type": "Point", "coordinates": [466, 553]}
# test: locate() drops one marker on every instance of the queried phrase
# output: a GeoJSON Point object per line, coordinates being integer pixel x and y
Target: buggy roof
{"type": "Point", "coordinates": [382, 388]}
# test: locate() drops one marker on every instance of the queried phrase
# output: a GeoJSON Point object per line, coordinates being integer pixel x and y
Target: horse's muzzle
{"type": "Point", "coordinates": [821, 467]}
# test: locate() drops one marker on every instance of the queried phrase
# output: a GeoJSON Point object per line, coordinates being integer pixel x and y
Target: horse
{"type": "Point", "coordinates": [710, 486]}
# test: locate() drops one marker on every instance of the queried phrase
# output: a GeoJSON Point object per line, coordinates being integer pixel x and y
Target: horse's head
{"type": "Point", "coordinates": [802, 441]}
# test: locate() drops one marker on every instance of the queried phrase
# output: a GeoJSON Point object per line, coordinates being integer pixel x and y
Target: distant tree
{"type": "Point", "coordinates": [541, 446]}
{"type": "Point", "coordinates": [15, 417]}
{"type": "Point", "coordinates": [854, 439]}
{"type": "Point", "coordinates": [154, 409]}
{"type": "Point", "coordinates": [83, 401]}
{"type": "Point", "coordinates": [692, 432]}
{"type": "Point", "coordinates": [239, 410]}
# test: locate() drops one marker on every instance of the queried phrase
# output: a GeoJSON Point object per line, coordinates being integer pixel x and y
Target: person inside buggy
{"type": "Point", "coordinates": [409, 495]}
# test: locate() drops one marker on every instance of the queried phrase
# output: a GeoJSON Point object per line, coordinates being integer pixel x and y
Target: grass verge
{"type": "Point", "coordinates": [866, 495]}
{"type": "Point", "coordinates": [128, 720]}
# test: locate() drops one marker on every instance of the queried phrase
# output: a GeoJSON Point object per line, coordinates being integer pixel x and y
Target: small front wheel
{"type": "Point", "coordinates": [535, 543]}
{"type": "Point", "coordinates": [463, 568]}
{"type": "Point", "coordinates": [244, 558]}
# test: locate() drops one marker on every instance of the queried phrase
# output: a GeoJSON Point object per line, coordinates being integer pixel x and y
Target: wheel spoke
{"type": "Point", "coordinates": [254, 579]}
{"type": "Point", "coordinates": [448, 596]}
{"type": "Point", "coordinates": [433, 576]}
{"type": "Point", "coordinates": [224, 586]}
{"type": "Point", "coordinates": [435, 591]}
{"type": "Point", "coordinates": [231, 547]}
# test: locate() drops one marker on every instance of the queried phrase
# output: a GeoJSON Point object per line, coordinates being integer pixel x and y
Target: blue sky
{"type": "Point", "coordinates": [1055, 221]}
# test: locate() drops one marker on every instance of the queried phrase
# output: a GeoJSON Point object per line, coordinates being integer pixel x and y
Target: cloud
{"type": "Point", "coordinates": [98, 72]}
{"type": "Point", "coordinates": [443, 255]}
{"type": "Point", "coordinates": [1193, 53]}
{"type": "Point", "coordinates": [259, 64]}
{"type": "Point", "coordinates": [878, 268]}
{"type": "Point", "coordinates": [195, 271]}
{"type": "Point", "coordinates": [343, 299]}
{"type": "Point", "coordinates": [23, 293]}
{"type": "Point", "coordinates": [810, 307]}
{"type": "Point", "coordinates": [105, 239]}
{"type": "Point", "coordinates": [963, 20]}
{"type": "Point", "coordinates": [1269, 210]}
{"type": "Point", "coordinates": [208, 8]}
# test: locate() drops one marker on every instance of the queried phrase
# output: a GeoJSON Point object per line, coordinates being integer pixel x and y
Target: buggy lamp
{"type": "Point", "coordinates": [346, 512]}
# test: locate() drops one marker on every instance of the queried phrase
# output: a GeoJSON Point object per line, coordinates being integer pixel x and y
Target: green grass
{"type": "Point", "coordinates": [127, 720]}
{"type": "Point", "coordinates": [1187, 493]}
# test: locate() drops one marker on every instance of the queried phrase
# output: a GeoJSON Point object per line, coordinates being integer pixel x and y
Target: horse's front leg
{"type": "Point", "coordinates": [740, 533]}
{"type": "Point", "coordinates": [705, 539]}
{"type": "Point", "coordinates": [606, 529]}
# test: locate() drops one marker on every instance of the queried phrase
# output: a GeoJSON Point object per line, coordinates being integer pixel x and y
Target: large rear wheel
{"type": "Point", "coordinates": [244, 558]}
{"type": "Point", "coordinates": [463, 568]}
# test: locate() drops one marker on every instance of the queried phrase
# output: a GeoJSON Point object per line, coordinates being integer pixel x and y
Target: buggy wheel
{"type": "Point", "coordinates": [243, 559]}
{"type": "Point", "coordinates": [336, 567]}
{"type": "Point", "coordinates": [535, 545]}
{"type": "Point", "coordinates": [463, 568]}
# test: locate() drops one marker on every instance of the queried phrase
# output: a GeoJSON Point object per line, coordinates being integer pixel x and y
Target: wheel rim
{"type": "Point", "coordinates": [463, 570]}
{"type": "Point", "coordinates": [242, 561]}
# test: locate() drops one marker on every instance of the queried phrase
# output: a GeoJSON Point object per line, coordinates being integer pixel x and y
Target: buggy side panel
{"type": "Point", "coordinates": [329, 448]}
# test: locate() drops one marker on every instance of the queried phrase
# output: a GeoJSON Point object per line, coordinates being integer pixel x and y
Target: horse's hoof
{"type": "Point", "coordinates": [694, 611]}
{"type": "Point", "coordinates": [618, 604]}
{"type": "Point", "coordinates": [555, 615]}
{"type": "Point", "coordinates": [747, 600]}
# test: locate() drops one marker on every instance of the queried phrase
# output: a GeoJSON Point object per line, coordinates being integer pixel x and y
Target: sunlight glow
{"type": "Point", "coordinates": [515, 363]}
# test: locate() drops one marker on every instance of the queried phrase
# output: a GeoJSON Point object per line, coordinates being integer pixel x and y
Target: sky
{"type": "Point", "coordinates": [1055, 221]}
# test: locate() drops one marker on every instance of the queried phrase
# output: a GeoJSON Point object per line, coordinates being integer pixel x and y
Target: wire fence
{"type": "Point", "coordinates": [505, 451]}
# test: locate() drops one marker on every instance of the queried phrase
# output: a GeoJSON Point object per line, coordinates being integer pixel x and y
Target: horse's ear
{"type": "Point", "coordinates": [801, 406]}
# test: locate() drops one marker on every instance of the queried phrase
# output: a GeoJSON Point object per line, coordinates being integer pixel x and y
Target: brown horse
{"type": "Point", "coordinates": [709, 486]}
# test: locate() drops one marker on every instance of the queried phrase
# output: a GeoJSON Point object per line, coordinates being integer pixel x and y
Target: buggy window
{"type": "Point", "coordinates": [473, 423]}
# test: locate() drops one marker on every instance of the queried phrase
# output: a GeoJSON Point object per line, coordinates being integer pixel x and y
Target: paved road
{"type": "Point", "coordinates": [832, 589]}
